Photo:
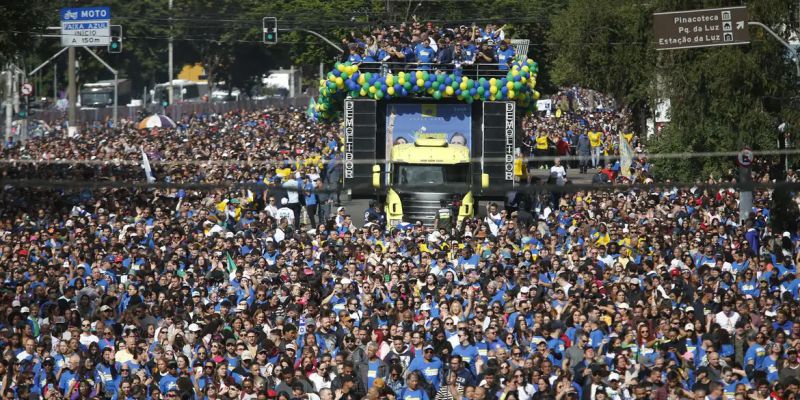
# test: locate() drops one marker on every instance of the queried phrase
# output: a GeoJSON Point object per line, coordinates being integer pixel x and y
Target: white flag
{"type": "Point", "coordinates": [148, 172]}
{"type": "Point", "coordinates": [625, 156]}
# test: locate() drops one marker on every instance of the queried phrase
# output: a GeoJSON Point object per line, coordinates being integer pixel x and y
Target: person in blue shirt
{"type": "Point", "coordinates": [169, 380]}
{"type": "Point", "coordinates": [429, 367]}
{"type": "Point", "coordinates": [413, 389]}
{"type": "Point", "coordinates": [755, 354]}
{"type": "Point", "coordinates": [424, 54]}
{"type": "Point", "coordinates": [505, 55]}
{"type": "Point", "coordinates": [466, 349]}
{"type": "Point", "coordinates": [354, 57]}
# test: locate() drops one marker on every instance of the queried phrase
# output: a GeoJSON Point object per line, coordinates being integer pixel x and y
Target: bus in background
{"type": "Point", "coordinates": [183, 91]}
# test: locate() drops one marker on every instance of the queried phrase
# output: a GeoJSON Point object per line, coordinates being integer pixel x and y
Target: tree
{"type": "Point", "coordinates": [22, 21]}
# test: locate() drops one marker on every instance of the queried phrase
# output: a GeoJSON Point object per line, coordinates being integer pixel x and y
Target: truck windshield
{"type": "Point", "coordinates": [88, 98]}
{"type": "Point", "coordinates": [427, 174]}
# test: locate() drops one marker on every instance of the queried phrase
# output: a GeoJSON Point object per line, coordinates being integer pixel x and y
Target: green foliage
{"type": "Point", "coordinates": [721, 98]}
{"type": "Point", "coordinates": [21, 21]}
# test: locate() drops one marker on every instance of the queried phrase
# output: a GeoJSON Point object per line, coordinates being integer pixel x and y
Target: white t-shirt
{"type": "Point", "coordinates": [560, 174]}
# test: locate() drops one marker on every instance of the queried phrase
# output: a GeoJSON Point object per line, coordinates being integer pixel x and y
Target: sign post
{"type": "Point", "coordinates": [86, 26]}
{"type": "Point", "coordinates": [701, 28]}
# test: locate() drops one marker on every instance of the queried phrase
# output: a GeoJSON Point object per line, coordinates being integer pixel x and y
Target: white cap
{"type": "Point", "coordinates": [194, 328]}
{"type": "Point", "coordinates": [340, 209]}
{"type": "Point", "coordinates": [66, 336]}
{"type": "Point", "coordinates": [624, 306]}
{"type": "Point", "coordinates": [787, 235]}
{"type": "Point", "coordinates": [524, 289]}
{"type": "Point", "coordinates": [689, 327]}
{"type": "Point", "coordinates": [425, 307]}
{"type": "Point", "coordinates": [25, 310]}
{"type": "Point", "coordinates": [105, 307]}
{"type": "Point", "coordinates": [613, 377]}
{"type": "Point", "coordinates": [16, 303]}
{"type": "Point", "coordinates": [284, 201]}
{"type": "Point", "coordinates": [346, 281]}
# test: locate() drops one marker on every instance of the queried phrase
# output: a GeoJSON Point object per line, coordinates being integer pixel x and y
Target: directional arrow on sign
{"type": "Point", "coordinates": [740, 25]}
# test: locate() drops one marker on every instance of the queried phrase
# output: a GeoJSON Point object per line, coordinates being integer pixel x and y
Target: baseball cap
{"type": "Point", "coordinates": [613, 377]}
{"type": "Point", "coordinates": [689, 327]}
{"type": "Point", "coordinates": [194, 328]}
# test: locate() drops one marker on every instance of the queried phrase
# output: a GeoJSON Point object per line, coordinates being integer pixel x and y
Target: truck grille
{"type": "Point", "coordinates": [422, 206]}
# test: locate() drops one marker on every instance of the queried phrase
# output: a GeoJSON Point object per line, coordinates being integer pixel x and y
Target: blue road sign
{"type": "Point", "coordinates": [85, 14]}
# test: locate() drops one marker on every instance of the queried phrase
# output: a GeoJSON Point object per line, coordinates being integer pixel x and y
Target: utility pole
{"type": "Point", "coordinates": [169, 50]}
{"type": "Point", "coordinates": [72, 95]}
{"type": "Point", "coordinates": [8, 103]}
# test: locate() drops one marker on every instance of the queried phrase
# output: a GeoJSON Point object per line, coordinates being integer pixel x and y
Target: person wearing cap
{"type": "Point", "coordinates": [505, 55]}
{"type": "Point", "coordinates": [429, 367]}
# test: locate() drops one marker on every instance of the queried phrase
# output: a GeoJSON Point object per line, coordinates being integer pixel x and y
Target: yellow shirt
{"type": "Point", "coordinates": [541, 142]}
{"type": "Point", "coordinates": [628, 136]}
{"type": "Point", "coordinates": [596, 139]}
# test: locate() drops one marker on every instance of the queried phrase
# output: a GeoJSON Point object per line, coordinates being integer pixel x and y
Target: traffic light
{"type": "Point", "coordinates": [270, 28]}
{"type": "Point", "coordinates": [115, 42]}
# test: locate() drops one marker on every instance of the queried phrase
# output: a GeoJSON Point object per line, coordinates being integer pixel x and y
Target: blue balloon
{"type": "Point", "coordinates": [397, 87]}
{"type": "Point", "coordinates": [458, 92]}
{"type": "Point", "coordinates": [517, 78]}
{"type": "Point", "coordinates": [448, 81]}
{"type": "Point", "coordinates": [473, 92]}
{"type": "Point", "coordinates": [372, 80]}
{"type": "Point", "coordinates": [427, 84]}
{"type": "Point", "coordinates": [504, 90]}
{"type": "Point", "coordinates": [441, 87]}
{"type": "Point", "coordinates": [404, 92]}
{"type": "Point", "coordinates": [383, 87]}
{"type": "Point", "coordinates": [336, 72]}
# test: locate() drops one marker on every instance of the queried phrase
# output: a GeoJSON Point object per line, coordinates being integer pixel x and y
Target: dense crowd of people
{"type": "Point", "coordinates": [427, 43]}
{"type": "Point", "coordinates": [273, 292]}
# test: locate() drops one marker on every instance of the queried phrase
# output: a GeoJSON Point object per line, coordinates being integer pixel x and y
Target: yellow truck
{"type": "Point", "coordinates": [422, 176]}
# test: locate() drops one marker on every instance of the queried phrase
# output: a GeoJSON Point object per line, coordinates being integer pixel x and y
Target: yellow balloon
{"type": "Point", "coordinates": [514, 73]}
{"type": "Point", "coordinates": [523, 80]}
{"type": "Point", "coordinates": [463, 86]}
{"type": "Point", "coordinates": [525, 68]}
{"type": "Point", "coordinates": [372, 89]}
{"type": "Point", "coordinates": [389, 80]}
{"type": "Point", "coordinates": [362, 92]}
{"type": "Point", "coordinates": [420, 82]}
{"type": "Point", "coordinates": [511, 94]}
{"type": "Point", "coordinates": [401, 74]}
{"type": "Point", "coordinates": [419, 75]}
{"type": "Point", "coordinates": [390, 90]}
{"type": "Point", "coordinates": [341, 67]}
{"type": "Point", "coordinates": [536, 95]}
{"type": "Point", "coordinates": [492, 81]}
{"type": "Point", "coordinates": [401, 80]}
{"type": "Point", "coordinates": [430, 90]}
{"type": "Point", "coordinates": [448, 90]}
{"type": "Point", "coordinates": [491, 98]}
{"type": "Point", "coordinates": [510, 85]}
{"type": "Point", "coordinates": [492, 89]}
{"type": "Point", "coordinates": [339, 81]}
{"type": "Point", "coordinates": [361, 79]}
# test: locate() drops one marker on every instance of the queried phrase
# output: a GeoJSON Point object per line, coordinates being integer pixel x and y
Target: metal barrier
{"type": "Point", "coordinates": [174, 111]}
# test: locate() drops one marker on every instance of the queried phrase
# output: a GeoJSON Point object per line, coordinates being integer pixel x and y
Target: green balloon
{"type": "Point", "coordinates": [517, 85]}
{"type": "Point", "coordinates": [482, 81]}
{"type": "Point", "coordinates": [407, 85]}
{"type": "Point", "coordinates": [481, 89]}
{"type": "Point", "coordinates": [470, 84]}
{"type": "Point", "coordinates": [368, 76]}
{"type": "Point", "coordinates": [437, 95]}
{"type": "Point", "coordinates": [440, 78]}
{"type": "Point", "coordinates": [379, 94]}
{"type": "Point", "coordinates": [454, 85]}
{"type": "Point", "coordinates": [426, 75]}
{"type": "Point", "coordinates": [344, 75]}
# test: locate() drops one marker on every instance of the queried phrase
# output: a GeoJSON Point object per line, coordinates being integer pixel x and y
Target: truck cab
{"type": "Point", "coordinates": [424, 175]}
